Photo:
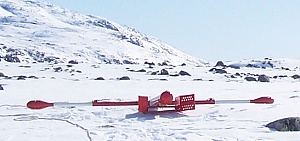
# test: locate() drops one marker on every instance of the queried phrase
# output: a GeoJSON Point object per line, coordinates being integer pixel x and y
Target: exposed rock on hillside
{"type": "Point", "coordinates": [285, 124]}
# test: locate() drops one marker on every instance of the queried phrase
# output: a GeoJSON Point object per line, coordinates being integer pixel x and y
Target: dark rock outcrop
{"type": "Point", "coordinates": [282, 76]}
{"type": "Point", "coordinates": [103, 23]}
{"type": "Point", "coordinates": [51, 59]}
{"type": "Point", "coordinates": [21, 77]}
{"type": "Point", "coordinates": [141, 70]}
{"type": "Point", "coordinates": [263, 78]}
{"type": "Point", "coordinates": [154, 73]}
{"type": "Point", "coordinates": [95, 66]}
{"type": "Point", "coordinates": [183, 64]}
{"type": "Point", "coordinates": [283, 68]}
{"type": "Point", "coordinates": [220, 63]}
{"type": "Point", "coordinates": [73, 62]}
{"type": "Point", "coordinates": [99, 78]}
{"type": "Point", "coordinates": [252, 66]}
{"type": "Point", "coordinates": [248, 78]}
{"type": "Point", "coordinates": [135, 41]}
{"type": "Point", "coordinates": [285, 124]}
{"type": "Point", "coordinates": [22, 66]}
{"type": "Point", "coordinates": [269, 64]}
{"type": "Point", "coordinates": [164, 72]}
{"type": "Point", "coordinates": [128, 62]}
{"type": "Point", "coordinates": [150, 63]}
{"type": "Point", "coordinates": [232, 76]}
{"type": "Point", "coordinates": [1, 88]}
{"type": "Point", "coordinates": [162, 79]}
{"type": "Point", "coordinates": [2, 74]}
{"type": "Point", "coordinates": [184, 73]}
{"type": "Point", "coordinates": [234, 66]}
{"type": "Point", "coordinates": [220, 71]}
{"type": "Point", "coordinates": [279, 76]}
{"type": "Point", "coordinates": [58, 69]}
{"type": "Point", "coordinates": [198, 79]}
{"type": "Point", "coordinates": [11, 58]}
{"type": "Point", "coordinates": [296, 76]}
{"type": "Point", "coordinates": [174, 75]}
{"type": "Point", "coordinates": [33, 77]}
{"type": "Point", "coordinates": [163, 64]}
{"type": "Point", "coordinates": [124, 78]}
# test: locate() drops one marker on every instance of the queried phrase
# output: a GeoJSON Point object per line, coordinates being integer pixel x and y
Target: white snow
{"type": "Point", "coordinates": [208, 122]}
{"type": "Point", "coordinates": [36, 26]}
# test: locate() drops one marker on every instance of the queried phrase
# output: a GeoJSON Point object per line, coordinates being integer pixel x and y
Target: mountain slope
{"type": "Point", "coordinates": [41, 32]}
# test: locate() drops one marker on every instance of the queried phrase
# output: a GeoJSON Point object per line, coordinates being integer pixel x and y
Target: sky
{"type": "Point", "coordinates": [210, 30]}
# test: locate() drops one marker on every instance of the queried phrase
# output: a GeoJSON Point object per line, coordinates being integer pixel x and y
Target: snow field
{"type": "Point", "coordinates": [227, 122]}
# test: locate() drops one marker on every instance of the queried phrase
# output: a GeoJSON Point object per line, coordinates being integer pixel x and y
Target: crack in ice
{"type": "Point", "coordinates": [27, 117]}
{"type": "Point", "coordinates": [69, 122]}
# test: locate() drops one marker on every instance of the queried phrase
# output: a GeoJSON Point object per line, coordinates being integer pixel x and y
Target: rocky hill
{"type": "Point", "coordinates": [34, 31]}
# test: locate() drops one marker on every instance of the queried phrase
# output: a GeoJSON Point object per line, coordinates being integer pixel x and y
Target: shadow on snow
{"type": "Point", "coordinates": [154, 115]}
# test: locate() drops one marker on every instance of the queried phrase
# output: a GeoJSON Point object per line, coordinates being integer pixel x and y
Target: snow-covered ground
{"type": "Point", "coordinates": [37, 40]}
{"type": "Point", "coordinates": [229, 122]}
